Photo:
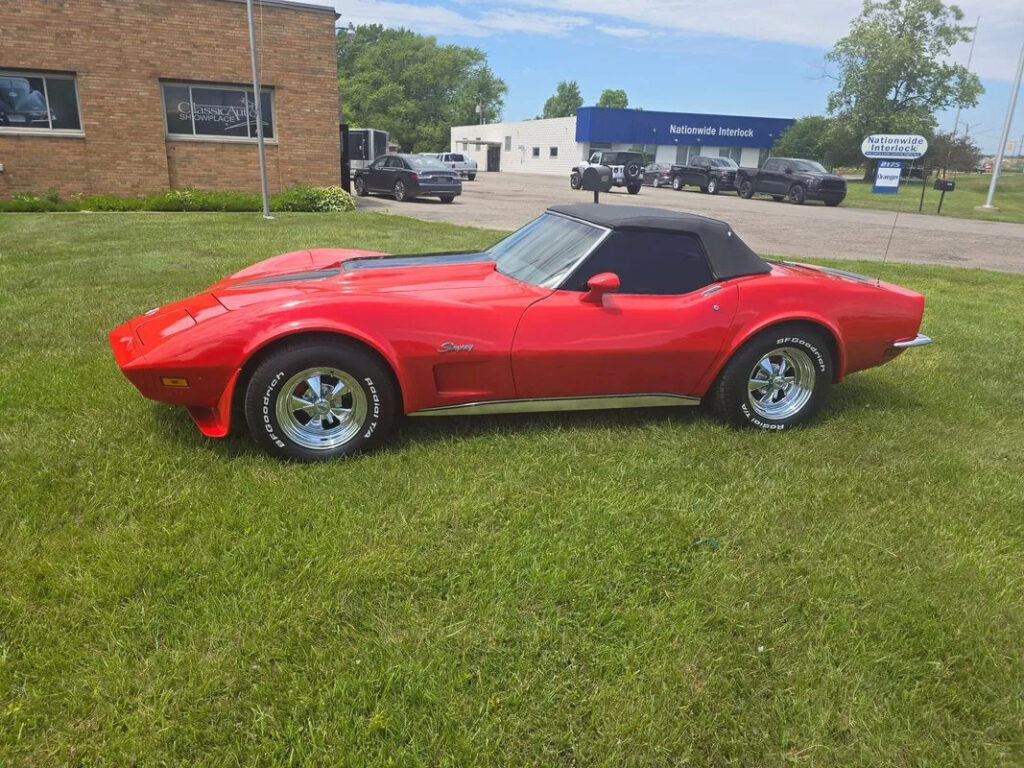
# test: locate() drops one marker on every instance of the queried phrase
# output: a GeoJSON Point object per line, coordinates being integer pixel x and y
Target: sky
{"type": "Point", "coordinates": [741, 57]}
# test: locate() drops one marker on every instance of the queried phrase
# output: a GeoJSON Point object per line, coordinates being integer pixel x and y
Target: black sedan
{"type": "Point", "coordinates": [657, 174]}
{"type": "Point", "coordinates": [406, 177]}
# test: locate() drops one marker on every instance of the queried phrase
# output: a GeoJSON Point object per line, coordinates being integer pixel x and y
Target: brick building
{"type": "Point", "coordinates": [136, 96]}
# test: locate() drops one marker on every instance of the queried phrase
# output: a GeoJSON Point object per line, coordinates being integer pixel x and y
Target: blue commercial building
{"type": "Point", "coordinates": [556, 145]}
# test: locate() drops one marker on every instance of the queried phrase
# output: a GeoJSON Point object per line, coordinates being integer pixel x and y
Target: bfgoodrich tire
{"type": "Point", "coordinates": [575, 180]}
{"type": "Point", "coordinates": [779, 379]}
{"type": "Point", "coordinates": [319, 400]}
{"type": "Point", "coordinates": [633, 189]}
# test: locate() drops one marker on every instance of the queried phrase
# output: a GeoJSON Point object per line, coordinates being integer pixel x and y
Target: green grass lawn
{"type": "Point", "coordinates": [504, 591]}
{"type": "Point", "coordinates": [971, 190]}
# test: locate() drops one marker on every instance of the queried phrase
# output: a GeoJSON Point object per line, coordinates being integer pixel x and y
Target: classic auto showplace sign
{"type": "Point", "coordinates": [891, 146]}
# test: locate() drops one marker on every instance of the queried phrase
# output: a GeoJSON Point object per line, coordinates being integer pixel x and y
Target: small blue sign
{"type": "Point", "coordinates": [887, 177]}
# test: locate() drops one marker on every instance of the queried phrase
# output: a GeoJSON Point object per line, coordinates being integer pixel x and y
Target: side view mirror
{"type": "Point", "coordinates": [599, 285]}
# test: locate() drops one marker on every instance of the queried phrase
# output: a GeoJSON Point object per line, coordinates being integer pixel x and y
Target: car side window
{"type": "Point", "coordinates": [378, 163]}
{"type": "Point", "coordinates": [770, 165]}
{"type": "Point", "coordinates": [595, 158]}
{"type": "Point", "coordinates": [647, 263]}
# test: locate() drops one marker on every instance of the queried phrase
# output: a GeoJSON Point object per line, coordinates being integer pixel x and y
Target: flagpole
{"type": "Point", "coordinates": [259, 115]}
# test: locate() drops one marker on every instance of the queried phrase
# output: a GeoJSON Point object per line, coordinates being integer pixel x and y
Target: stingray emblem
{"type": "Point", "coordinates": [451, 346]}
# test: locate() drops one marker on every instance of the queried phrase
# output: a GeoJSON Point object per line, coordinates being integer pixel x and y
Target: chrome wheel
{"type": "Point", "coordinates": [781, 383]}
{"type": "Point", "coordinates": [399, 191]}
{"type": "Point", "coordinates": [321, 408]}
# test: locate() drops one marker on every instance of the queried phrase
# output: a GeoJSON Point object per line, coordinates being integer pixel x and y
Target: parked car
{"type": "Point", "coordinates": [586, 307]}
{"type": "Point", "coordinates": [21, 105]}
{"type": "Point", "coordinates": [657, 174]}
{"type": "Point", "coordinates": [458, 162]}
{"type": "Point", "coordinates": [406, 177]}
{"type": "Point", "coordinates": [711, 174]}
{"type": "Point", "coordinates": [793, 179]}
{"type": "Point", "coordinates": [627, 169]}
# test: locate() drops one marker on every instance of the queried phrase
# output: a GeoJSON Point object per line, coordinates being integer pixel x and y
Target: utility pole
{"type": "Point", "coordinates": [1005, 136]}
{"type": "Point", "coordinates": [259, 114]}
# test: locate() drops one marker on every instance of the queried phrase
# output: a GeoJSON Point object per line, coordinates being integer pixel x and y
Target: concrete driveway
{"type": "Point", "coordinates": [508, 200]}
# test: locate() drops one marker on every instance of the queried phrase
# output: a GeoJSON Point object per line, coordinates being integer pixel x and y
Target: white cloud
{"type": "Point", "coordinates": [440, 20]}
{"type": "Point", "coordinates": [811, 23]}
{"type": "Point", "coordinates": [632, 32]}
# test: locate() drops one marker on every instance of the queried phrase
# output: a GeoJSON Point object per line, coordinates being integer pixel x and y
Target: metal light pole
{"type": "Point", "coordinates": [259, 114]}
{"type": "Point", "coordinates": [1006, 135]}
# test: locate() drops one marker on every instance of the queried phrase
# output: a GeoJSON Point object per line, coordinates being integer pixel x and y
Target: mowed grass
{"type": "Point", "coordinates": [971, 190]}
{"type": "Point", "coordinates": [510, 591]}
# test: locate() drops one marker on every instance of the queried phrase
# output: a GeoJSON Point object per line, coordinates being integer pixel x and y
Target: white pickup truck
{"type": "Point", "coordinates": [458, 162]}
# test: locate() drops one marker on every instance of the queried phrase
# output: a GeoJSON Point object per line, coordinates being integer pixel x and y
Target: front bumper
{"type": "Point", "coordinates": [824, 195]}
{"type": "Point", "coordinates": [918, 341]}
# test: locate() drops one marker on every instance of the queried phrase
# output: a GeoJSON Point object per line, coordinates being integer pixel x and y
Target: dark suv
{"type": "Point", "coordinates": [793, 179]}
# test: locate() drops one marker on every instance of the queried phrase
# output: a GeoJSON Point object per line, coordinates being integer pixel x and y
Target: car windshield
{"type": "Point", "coordinates": [544, 251]}
{"type": "Point", "coordinates": [809, 165]}
{"type": "Point", "coordinates": [426, 163]}
{"type": "Point", "coordinates": [724, 162]}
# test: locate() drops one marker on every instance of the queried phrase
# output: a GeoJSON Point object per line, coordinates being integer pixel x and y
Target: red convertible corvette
{"type": "Point", "coordinates": [587, 306]}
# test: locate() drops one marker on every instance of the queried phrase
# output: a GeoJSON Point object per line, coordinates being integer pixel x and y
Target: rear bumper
{"type": "Point", "coordinates": [918, 341]}
{"type": "Point", "coordinates": [427, 189]}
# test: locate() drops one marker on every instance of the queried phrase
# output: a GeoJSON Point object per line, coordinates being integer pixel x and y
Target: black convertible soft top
{"type": "Point", "coordinates": [728, 256]}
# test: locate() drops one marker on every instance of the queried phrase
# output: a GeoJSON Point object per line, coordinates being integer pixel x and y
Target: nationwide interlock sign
{"type": "Point", "coordinates": [893, 146]}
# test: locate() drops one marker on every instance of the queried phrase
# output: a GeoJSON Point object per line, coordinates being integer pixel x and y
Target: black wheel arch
{"type": "Point", "coordinates": [267, 349]}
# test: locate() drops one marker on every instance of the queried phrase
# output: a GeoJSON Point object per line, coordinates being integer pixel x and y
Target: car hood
{"type": "Point", "coordinates": [303, 273]}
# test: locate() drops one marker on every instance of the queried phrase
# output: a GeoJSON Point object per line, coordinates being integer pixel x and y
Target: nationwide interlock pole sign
{"type": "Point", "coordinates": [890, 149]}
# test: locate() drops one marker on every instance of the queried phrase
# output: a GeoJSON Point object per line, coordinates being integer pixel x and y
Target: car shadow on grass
{"type": "Point", "coordinates": [853, 395]}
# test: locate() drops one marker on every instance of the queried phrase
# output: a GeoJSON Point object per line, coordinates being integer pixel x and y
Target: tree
{"type": "Point", "coordinates": [893, 68]}
{"type": "Point", "coordinates": [410, 86]}
{"type": "Point", "coordinates": [565, 102]}
{"type": "Point", "coordinates": [955, 153]}
{"type": "Point", "coordinates": [825, 139]}
{"type": "Point", "coordinates": [616, 98]}
{"type": "Point", "coordinates": [481, 87]}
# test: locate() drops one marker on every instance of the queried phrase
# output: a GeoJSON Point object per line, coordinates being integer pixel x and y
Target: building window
{"type": "Point", "coordinates": [553, 152]}
{"type": "Point", "coordinates": [508, 143]}
{"type": "Point", "coordinates": [39, 102]}
{"type": "Point", "coordinates": [536, 151]}
{"type": "Point", "coordinates": [732, 153]}
{"type": "Point", "coordinates": [215, 111]}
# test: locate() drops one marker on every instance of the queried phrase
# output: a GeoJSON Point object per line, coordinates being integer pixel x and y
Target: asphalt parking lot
{"type": "Point", "coordinates": [508, 200]}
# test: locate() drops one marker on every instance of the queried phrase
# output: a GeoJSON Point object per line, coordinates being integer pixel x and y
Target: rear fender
{"type": "Point", "coordinates": [743, 334]}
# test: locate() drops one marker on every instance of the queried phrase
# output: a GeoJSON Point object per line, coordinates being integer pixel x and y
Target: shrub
{"type": "Point", "coordinates": [301, 198]}
{"type": "Point", "coordinates": [317, 199]}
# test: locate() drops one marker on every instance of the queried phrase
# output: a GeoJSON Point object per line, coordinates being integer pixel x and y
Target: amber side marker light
{"type": "Point", "coordinates": [173, 381]}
